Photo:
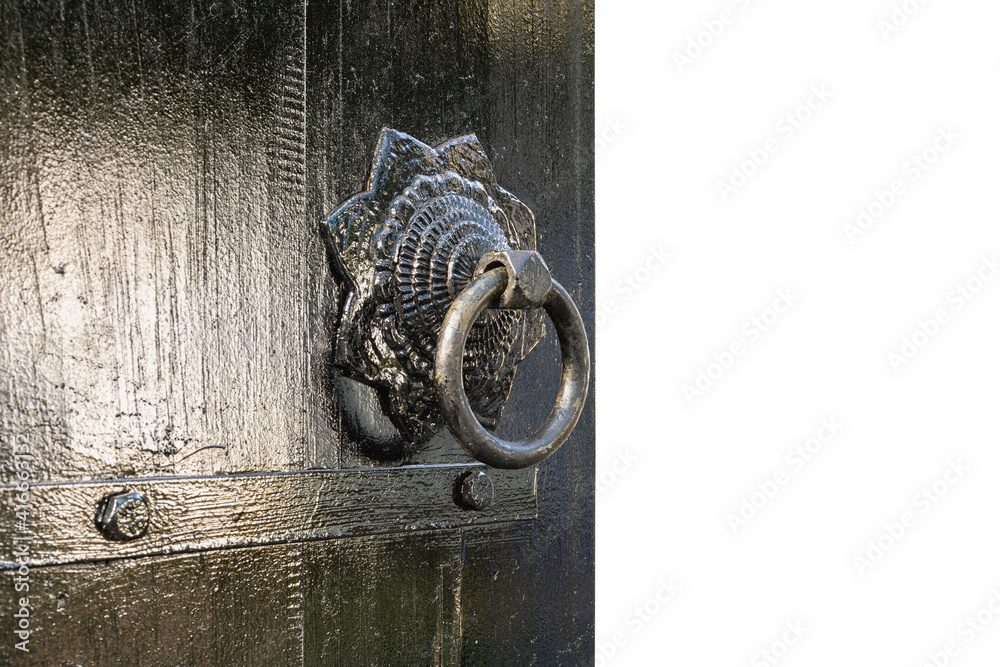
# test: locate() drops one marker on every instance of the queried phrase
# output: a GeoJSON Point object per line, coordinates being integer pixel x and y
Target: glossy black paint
{"type": "Point", "coordinates": [169, 309]}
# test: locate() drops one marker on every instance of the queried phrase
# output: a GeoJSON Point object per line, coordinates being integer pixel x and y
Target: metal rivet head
{"type": "Point", "coordinates": [475, 490]}
{"type": "Point", "coordinates": [123, 516]}
{"type": "Point", "coordinates": [528, 277]}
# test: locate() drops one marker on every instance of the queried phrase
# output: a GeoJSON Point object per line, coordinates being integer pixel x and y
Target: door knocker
{"type": "Point", "coordinates": [443, 294]}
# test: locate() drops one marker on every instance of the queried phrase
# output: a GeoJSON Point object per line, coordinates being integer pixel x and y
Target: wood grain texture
{"type": "Point", "coordinates": [193, 609]}
{"type": "Point", "coordinates": [164, 291]}
{"type": "Point", "coordinates": [242, 510]}
{"type": "Point", "coordinates": [393, 600]}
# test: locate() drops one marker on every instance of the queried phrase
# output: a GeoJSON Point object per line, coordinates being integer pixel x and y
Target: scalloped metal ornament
{"type": "Point", "coordinates": [402, 250]}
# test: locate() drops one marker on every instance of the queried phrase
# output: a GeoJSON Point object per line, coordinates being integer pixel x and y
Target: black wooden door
{"type": "Point", "coordinates": [166, 326]}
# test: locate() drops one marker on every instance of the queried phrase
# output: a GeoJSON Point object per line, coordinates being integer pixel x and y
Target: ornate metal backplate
{"type": "Point", "coordinates": [403, 250]}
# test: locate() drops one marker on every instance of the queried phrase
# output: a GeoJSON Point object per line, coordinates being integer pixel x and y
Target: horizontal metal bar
{"type": "Point", "coordinates": [201, 513]}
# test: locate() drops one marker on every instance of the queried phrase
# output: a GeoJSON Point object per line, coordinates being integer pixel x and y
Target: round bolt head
{"type": "Point", "coordinates": [123, 516]}
{"type": "Point", "coordinates": [475, 490]}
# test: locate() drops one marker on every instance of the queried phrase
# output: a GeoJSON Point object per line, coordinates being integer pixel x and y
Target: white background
{"type": "Point", "coordinates": [819, 552]}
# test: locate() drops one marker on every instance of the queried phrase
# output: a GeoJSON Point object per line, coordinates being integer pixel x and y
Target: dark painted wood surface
{"type": "Point", "coordinates": [394, 600]}
{"type": "Point", "coordinates": [230, 607]}
{"type": "Point", "coordinates": [165, 290]}
{"type": "Point", "coordinates": [168, 310]}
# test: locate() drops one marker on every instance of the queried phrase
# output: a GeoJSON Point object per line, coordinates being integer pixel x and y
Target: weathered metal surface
{"type": "Point", "coordinates": [120, 516]}
{"type": "Point", "coordinates": [476, 490]}
{"type": "Point", "coordinates": [528, 278]}
{"type": "Point", "coordinates": [245, 510]}
{"type": "Point", "coordinates": [403, 250]}
{"type": "Point", "coordinates": [482, 445]}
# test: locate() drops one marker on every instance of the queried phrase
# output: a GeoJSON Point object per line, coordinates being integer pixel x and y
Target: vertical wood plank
{"type": "Point", "coordinates": [167, 300]}
{"type": "Point", "coordinates": [540, 131]}
{"type": "Point", "coordinates": [382, 601]}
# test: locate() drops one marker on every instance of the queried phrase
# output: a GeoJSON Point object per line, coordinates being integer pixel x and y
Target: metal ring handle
{"type": "Point", "coordinates": [462, 423]}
